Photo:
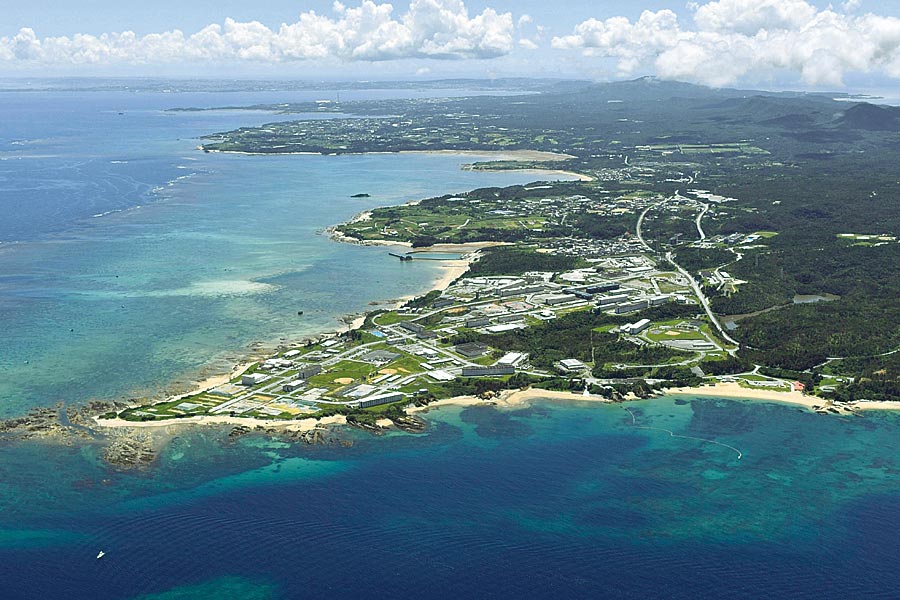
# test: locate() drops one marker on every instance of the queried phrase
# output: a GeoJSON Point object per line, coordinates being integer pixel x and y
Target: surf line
{"type": "Point", "coordinates": [686, 437]}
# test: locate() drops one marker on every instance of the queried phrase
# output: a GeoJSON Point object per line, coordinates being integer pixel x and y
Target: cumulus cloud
{"type": "Point", "coordinates": [439, 29]}
{"type": "Point", "coordinates": [733, 40]}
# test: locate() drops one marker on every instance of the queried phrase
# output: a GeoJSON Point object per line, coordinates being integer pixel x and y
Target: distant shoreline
{"type": "Point", "coordinates": [534, 155]}
{"type": "Point", "coordinates": [510, 155]}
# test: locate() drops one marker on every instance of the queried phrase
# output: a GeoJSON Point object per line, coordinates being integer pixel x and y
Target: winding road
{"type": "Point", "coordinates": [670, 256]}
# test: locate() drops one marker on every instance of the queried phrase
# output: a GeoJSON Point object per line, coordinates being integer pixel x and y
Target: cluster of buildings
{"type": "Point", "coordinates": [571, 246]}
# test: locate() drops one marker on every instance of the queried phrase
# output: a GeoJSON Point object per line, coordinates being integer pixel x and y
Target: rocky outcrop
{"type": "Point", "coordinates": [130, 450]}
{"type": "Point", "coordinates": [411, 424]}
{"type": "Point", "coordinates": [45, 423]}
{"type": "Point", "coordinates": [319, 436]}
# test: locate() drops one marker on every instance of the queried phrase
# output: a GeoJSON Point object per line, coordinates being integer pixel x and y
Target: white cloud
{"type": "Point", "coordinates": [741, 40]}
{"type": "Point", "coordinates": [748, 17]}
{"type": "Point", "coordinates": [439, 29]}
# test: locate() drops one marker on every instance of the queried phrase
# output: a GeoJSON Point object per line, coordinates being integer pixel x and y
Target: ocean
{"type": "Point", "coordinates": [553, 500]}
{"type": "Point", "coordinates": [193, 257]}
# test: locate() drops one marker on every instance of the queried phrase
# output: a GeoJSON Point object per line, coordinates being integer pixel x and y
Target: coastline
{"type": "Point", "coordinates": [536, 171]}
{"type": "Point", "coordinates": [302, 425]}
{"type": "Point", "coordinates": [731, 391]}
{"type": "Point", "coordinates": [535, 155]}
{"type": "Point", "coordinates": [735, 391]}
{"type": "Point", "coordinates": [511, 399]}
{"type": "Point", "coordinates": [451, 270]}
{"type": "Point", "coordinates": [499, 155]}
{"type": "Point", "coordinates": [448, 272]}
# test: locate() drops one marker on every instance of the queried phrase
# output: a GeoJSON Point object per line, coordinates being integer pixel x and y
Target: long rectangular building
{"type": "Point", "coordinates": [628, 307]}
{"type": "Point", "coordinates": [520, 291]}
{"type": "Point", "coordinates": [636, 328]}
{"type": "Point", "coordinates": [487, 371]}
{"type": "Point", "coordinates": [613, 299]}
{"type": "Point", "coordinates": [379, 399]}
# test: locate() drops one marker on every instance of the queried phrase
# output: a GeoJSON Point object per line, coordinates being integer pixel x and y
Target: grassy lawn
{"type": "Point", "coordinates": [388, 318]}
{"type": "Point", "coordinates": [347, 369]}
{"type": "Point", "coordinates": [751, 377]}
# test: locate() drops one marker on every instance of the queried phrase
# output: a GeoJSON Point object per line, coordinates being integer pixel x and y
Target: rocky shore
{"type": "Point", "coordinates": [318, 436]}
{"type": "Point", "coordinates": [131, 447]}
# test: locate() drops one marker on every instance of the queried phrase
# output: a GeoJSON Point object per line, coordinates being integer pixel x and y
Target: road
{"type": "Point", "coordinates": [700, 216]}
{"type": "Point", "coordinates": [670, 256]}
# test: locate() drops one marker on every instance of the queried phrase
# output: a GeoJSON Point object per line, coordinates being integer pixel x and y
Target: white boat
{"type": "Point", "coordinates": [101, 555]}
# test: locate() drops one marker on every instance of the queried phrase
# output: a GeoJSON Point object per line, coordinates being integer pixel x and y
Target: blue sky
{"type": "Point", "coordinates": [770, 43]}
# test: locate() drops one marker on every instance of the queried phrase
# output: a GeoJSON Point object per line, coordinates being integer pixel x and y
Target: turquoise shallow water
{"type": "Point", "coordinates": [183, 259]}
{"type": "Point", "coordinates": [558, 498]}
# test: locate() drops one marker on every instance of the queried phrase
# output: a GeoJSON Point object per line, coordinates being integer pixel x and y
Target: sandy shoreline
{"type": "Point", "coordinates": [735, 390]}
{"type": "Point", "coordinates": [493, 155]}
{"type": "Point", "coordinates": [453, 270]}
{"type": "Point", "coordinates": [511, 399]}
{"type": "Point", "coordinates": [536, 155]}
{"type": "Point", "coordinates": [520, 398]}
{"type": "Point", "coordinates": [876, 405]}
{"type": "Point", "coordinates": [215, 381]}
{"type": "Point", "coordinates": [537, 172]}
{"type": "Point", "coordinates": [301, 425]}
{"type": "Point", "coordinates": [558, 173]}
{"type": "Point", "coordinates": [732, 391]}
{"type": "Point", "coordinates": [814, 403]}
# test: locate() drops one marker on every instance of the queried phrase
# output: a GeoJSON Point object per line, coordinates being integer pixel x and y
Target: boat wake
{"type": "Point", "coordinates": [676, 435]}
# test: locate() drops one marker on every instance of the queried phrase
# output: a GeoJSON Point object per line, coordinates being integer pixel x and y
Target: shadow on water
{"type": "Point", "coordinates": [496, 424]}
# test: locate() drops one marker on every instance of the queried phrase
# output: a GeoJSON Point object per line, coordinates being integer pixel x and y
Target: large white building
{"type": "Point", "coordinates": [572, 365]}
{"type": "Point", "coordinates": [512, 359]}
{"type": "Point", "coordinates": [253, 378]}
{"type": "Point", "coordinates": [636, 328]}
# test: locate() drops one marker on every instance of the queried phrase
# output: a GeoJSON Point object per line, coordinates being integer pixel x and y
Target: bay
{"type": "Point", "coordinates": [135, 263]}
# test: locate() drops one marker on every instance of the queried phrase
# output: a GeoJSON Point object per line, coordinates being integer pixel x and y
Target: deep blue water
{"type": "Point", "coordinates": [555, 500]}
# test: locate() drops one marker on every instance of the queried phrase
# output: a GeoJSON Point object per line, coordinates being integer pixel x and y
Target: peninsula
{"type": "Point", "coordinates": [731, 260]}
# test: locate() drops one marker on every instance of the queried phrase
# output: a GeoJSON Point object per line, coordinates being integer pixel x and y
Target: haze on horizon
{"type": "Point", "coordinates": [761, 43]}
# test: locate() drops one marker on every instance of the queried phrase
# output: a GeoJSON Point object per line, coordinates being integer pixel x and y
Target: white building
{"type": "Point", "coordinates": [572, 365]}
{"type": "Point", "coordinates": [253, 378]}
{"type": "Point", "coordinates": [379, 399]}
{"type": "Point", "coordinates": [441, 375]}
{"type": "Point", "coordinates": [294, 385]}
{"type": "Point", "coordinates": [636, 328]}
{"type": "Point", "coordinates": [512, 359]}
